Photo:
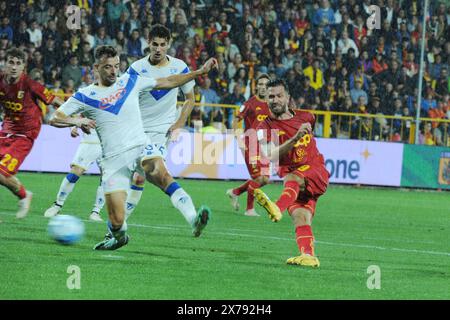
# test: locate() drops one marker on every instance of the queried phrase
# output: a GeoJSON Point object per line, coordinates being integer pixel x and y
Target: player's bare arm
{"type": "Point", "coordinates": [180, 79]}
{"type": "Point", "coordinates": [57, 102]}
{"type": "Point", "coordinates": [186, 110]}
{"type": "Point", "coordinates": [238, 132]}
{"type": "Point", "coordinates": [274, 153]}
{"type": "Point", "coordinates": [61, 120]}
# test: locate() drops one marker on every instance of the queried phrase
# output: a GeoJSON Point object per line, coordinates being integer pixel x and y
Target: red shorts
{"type": "Point", "coordinates": [255, 166]}
{"type": "Point", "coordinates": [13, 151]}
{"type": "Point", "coordinates": [316, 182]}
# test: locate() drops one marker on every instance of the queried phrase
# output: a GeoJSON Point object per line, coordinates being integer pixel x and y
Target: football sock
{"type": "Point", "coordinates": [250, 195]}
{"type": "Point", "coordinates": [99, 200]}
{"type": "Point", "coordinates": [305, 239]}
{"type": "Point", "coordinates": [133, 198]}
{"type": "Point", "coordinates": [118, 232]}
{"type": "Point", "coordinates": [66, 188]}
{"type": "Point", "coordinates": [182, 201]}
{"type": "Point", "coordinates": [289, 195]}
{"type": "Point", "coordinates": [21, 193]}
{"type": "Point", "coordinates": [241, 189]}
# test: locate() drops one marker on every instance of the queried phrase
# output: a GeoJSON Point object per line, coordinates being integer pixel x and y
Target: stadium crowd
{"type": "Point", "coordinates": [323, 49]}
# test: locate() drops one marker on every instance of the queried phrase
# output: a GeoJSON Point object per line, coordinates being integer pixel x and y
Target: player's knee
{"type": "Point", "coordinates": [293, 177]}
{"type": "Point", "coordinates": [262, 180]}
{"type": "Point", "coordinates": [138, 180]}
{"type": "Point", "coordinates": [301, 217]}
{"type": "Point", "coordinates": [149, 167]}
{"type": "Point", "coordinates": [77, 170]}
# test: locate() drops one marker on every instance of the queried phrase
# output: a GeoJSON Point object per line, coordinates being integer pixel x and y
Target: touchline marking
{"type": "Point", "coordinates": [337, 244]}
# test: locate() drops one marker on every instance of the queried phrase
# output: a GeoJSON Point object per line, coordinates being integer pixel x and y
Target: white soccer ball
{"type": "Point", "coordinates": [66, 229]}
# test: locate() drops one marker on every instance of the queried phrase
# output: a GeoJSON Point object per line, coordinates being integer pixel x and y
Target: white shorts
{"type": "Point", "coordinates": [86, 155]}
{"type": "Point", "coordinates": [117, 172]}
{"type": "Point", "coordinates": [156, 147]}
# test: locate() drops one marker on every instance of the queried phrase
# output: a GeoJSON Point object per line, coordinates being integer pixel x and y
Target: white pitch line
{"type": "Point", "coordinates": [338, 244]}
{"type": "Point", "coordinates": [112, 257]}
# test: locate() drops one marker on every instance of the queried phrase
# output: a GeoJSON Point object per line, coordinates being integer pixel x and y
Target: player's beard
{"type": "Point", "coordinates": [277, 109]}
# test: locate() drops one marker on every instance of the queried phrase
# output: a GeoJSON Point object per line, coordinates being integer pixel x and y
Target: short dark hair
{"type": "Point", "coordinates": [277, 83]}
{"type": "Point", "coordinates": [108, 51]}
{"type": "Point", "coordinates": [160, 31]}
{"type": "Point", "coordinates": [263, 76]}
{"type": "Point", "coordinates": [16, 53]}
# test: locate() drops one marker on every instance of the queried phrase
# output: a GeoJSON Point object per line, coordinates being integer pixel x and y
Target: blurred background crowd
{"type": "Point", "coordinates": [323, 49]}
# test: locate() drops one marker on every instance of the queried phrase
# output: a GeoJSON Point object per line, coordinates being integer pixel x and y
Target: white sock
{"type": "Point", "coordinates": [183, 202]}
{"type": "Point", "coordinates": [99, 200]}
{"type": "Point", "coordinates": [66, 188]}
{"type": "Point", "coordinates": [133, 198]}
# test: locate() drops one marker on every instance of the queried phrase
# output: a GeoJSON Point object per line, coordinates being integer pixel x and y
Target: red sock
{"type": "Point", "coordinates": [241, 189]}
{"type": "Point", "coordinates": [305, 239]}
{"type": "Point", "coordinates": [21, 193]}
{"type": "Point", "coordinates": [289, 195]}
{"type": "Point", "coordinates": [250, 195]}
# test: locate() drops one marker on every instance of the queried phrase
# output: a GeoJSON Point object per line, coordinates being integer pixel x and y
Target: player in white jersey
{"type": "Point", "coordinates": [160, 118]}
{"type": "Point", "coordinates": [112, 107]}
{"type": "Point", "coordinates": [88, 152]}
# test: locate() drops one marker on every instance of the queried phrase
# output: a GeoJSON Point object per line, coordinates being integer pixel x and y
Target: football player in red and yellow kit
{"type": "Point", "coordinates": [287, 138]}
{"type": "Point", "coordinates": [253, 112]}
{"type": "Point", "coordinates": [19, 96]}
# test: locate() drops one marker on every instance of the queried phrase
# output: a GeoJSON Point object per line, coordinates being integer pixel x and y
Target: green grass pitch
{"type": "Point", "coordinates": [405, 233]}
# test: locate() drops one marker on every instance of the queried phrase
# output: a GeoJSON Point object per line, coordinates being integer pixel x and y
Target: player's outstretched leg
{"type": "Point", "coordinates": [302, 219]}
{"type": "Point", "coordinates": [98, 205]}
{"type": "Point", "coordinates": [203, 216]}
{"type": "Point", "coordinates": [25, 196]}
{"type": "Point", "coordinates": [65, 189]}
{"type": "Point", "coordinates": [156, 173]}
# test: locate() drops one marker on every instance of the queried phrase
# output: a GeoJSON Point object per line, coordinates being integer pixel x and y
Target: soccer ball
{"type": "Point", "coordinates": [66, 229]}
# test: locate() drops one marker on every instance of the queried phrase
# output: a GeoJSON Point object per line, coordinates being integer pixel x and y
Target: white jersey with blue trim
{"type": "Point", "coordinates": [159, 107]}
{"type": "Point", "coordinates": [115, 110]}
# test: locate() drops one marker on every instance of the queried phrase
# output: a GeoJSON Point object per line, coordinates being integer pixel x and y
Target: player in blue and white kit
{"type": "Point", "coordinates": [112, 107]}
{"type": "Point", "coordinates": [88, 152]}
{"type": "Point", "coordinates": [160, 117]}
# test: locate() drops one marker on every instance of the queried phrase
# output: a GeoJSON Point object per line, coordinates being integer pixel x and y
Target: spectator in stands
{"type": "Point", "coordinates": [315, 75]}
{"type": "Point", "coordinates": [358, 92]}
{"type": "Point", "coordinates": [21, 36]}
{"type": "Point", "coordinates": [134, 45]}
{"type": "Point", "coordinates": [72, 72]}
{"type": "Point", "coordinates": [345, 43]}
{"type": "Point", "coordinates": [35, 34]}
{"type": "Point", "coordinates": [210, 96]}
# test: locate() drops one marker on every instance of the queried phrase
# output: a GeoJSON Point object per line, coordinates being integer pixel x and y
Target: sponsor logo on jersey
{"type": "Point", "coordinates": [109, 101]}
{"type": "Point", "coordinates": [13, 106]}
